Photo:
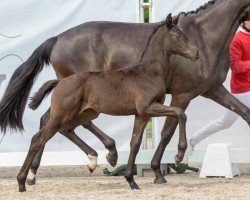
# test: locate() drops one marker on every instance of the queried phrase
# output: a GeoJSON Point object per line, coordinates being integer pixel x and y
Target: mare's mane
{"type": "Point", "coordinates": [162, 23]}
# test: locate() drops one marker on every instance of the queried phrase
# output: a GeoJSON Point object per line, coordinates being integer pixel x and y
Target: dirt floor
{"type": "Point", "coordinates": [74, 183]}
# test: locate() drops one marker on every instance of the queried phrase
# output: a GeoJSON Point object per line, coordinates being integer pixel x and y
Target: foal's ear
{"type": "Point", "coordinates": [169, 22]}
{"type": "Point", "coordinates": [176, 19]}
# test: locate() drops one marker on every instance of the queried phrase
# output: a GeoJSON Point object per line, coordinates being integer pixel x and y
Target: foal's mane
{"type": "Point", "coordinates": [156, 28]}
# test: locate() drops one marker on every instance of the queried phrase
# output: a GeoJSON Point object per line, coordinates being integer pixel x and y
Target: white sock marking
{"type": "Point", "coordinates": [31, 175]}
{"type": "Point", "coordinates": [93, 162]}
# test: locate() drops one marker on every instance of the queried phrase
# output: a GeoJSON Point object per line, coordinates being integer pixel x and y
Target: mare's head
{"type": "Point", "coordinates": [177, 42]}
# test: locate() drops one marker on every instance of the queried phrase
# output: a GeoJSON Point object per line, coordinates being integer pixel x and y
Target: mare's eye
{"type": "Point", "coordinates": [178, 36]}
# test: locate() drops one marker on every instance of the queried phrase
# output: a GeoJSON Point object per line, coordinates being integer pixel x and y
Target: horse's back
{"type": "Point", "coordinates": [99, 46]}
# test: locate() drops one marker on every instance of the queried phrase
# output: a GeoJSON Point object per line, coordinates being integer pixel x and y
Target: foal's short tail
{"type": "Point", "coordinates": [16, 95]}
{"type": "Point", "coordinates": [37, 99]}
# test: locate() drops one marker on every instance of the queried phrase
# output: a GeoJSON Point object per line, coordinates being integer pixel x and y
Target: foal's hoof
{"type": "Point", "coordinates": [89, 169]}
{"type": "Point", "coordinates": [161, 180]}
{"type": "Point", "coordinates": [92, 163]}
{"type": "Point", "coordinates": [31, 182]}
{"type": "Point", "coordinates": [112, 159]}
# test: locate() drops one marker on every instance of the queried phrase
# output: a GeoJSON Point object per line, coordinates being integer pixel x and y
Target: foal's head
{"type": "Point", "coordinates": [177, 42]}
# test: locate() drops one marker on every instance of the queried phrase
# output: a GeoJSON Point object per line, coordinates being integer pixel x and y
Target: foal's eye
{"type": "Point", "coordinates": [178, 36]}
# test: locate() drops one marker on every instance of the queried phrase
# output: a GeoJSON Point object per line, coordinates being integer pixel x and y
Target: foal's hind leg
{"type": "Point", "coordinates": [108, 142]}
{"type": "Point", "coordinates": [31, 178]}
{"type": "Point", "coordinates": [37, 142]}
{"type": "Point", "coordinates": [92, 154]}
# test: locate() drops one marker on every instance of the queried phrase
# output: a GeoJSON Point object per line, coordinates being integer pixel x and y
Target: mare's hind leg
{"type": "Point", "coordinates": [139, 126]}
{"type": "Point", "coordinates": [108, 142]}
{"type": "Point", "coordinates": [37, 142]}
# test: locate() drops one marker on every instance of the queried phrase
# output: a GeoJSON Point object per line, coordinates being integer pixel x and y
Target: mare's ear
{"type": "Point", "coordinates": [169, 22]}
{"type": "Point", "coordinates": [176, 19]}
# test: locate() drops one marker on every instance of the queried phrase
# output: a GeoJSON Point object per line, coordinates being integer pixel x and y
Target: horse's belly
{"type": "Point", "coordinates": [112, 103]}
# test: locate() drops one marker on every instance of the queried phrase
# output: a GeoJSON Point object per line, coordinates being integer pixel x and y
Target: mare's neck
{"type": "Point", "coordinates": [156, 57]}
{"type": "Point", "coordinates": [218, 23]}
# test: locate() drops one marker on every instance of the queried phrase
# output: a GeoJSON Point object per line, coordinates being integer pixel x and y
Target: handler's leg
{"type": "Point", "coordinates": [224, 122]}
{"type": "Point", "coordinates": [139, 126]}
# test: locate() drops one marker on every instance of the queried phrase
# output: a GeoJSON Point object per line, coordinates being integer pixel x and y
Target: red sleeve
{"type": "Point", "coordinates": [236, 63]}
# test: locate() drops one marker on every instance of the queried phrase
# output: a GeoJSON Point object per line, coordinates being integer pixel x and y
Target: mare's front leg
{"type": "Point", "coordinates": [226, 99]}
{"type": "Point", "coordinates": [180, 101]}
{"type": "Point", "coordinates": [139, 126]}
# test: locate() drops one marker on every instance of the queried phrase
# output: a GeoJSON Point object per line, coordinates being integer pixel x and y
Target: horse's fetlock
{"type": "Point", "coordinates": [110, 144]}
{"type": "Point", "coordinates": [155, 165]}
{"type": "Point", "coordinates": [182, 146]}
{"type": "Point", "coordinates": [21, 178]}
{"type": "Point", "coordinates": [128, 175]}
{"type": "Point", "coordinates": [93, 153]}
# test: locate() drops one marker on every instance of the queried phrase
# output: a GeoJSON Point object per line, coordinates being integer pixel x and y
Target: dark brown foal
{"type": "Point", "coordinates": [136, 90]}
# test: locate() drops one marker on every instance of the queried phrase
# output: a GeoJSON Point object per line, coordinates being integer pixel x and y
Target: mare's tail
{"type": "Point", "coordinates": [16, 95]}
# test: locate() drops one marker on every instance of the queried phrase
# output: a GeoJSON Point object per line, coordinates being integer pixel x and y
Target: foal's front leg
{"type": "Point", "coordinates": [139, 126]}
{"type": "Point", "coordinates": [157, 110]}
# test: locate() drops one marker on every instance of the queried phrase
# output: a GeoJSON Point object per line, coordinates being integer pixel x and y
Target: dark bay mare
{"type": "Point", "coordinates": [138, 90]}
{"type": "Point", "coordinates": [101, 46]}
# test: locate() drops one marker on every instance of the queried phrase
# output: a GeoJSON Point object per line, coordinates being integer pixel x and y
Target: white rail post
{"type": "Point", "coordinates": [218, 162]}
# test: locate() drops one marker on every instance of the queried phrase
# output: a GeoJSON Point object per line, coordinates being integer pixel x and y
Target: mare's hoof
{"type": "Point", "coordinates": [112, 159]}
{"type": "Point", "coordinates": [31, 182]}
{"type": "Point", "coordinates": [161, 180]}
{"type": "Point", "coordinates": [22, 188]}
{"type": "Point", "coordinates": [134, 187]}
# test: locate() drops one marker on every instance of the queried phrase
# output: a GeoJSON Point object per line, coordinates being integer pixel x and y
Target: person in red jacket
{"type": "Point", "coordinates": [240, 87]}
